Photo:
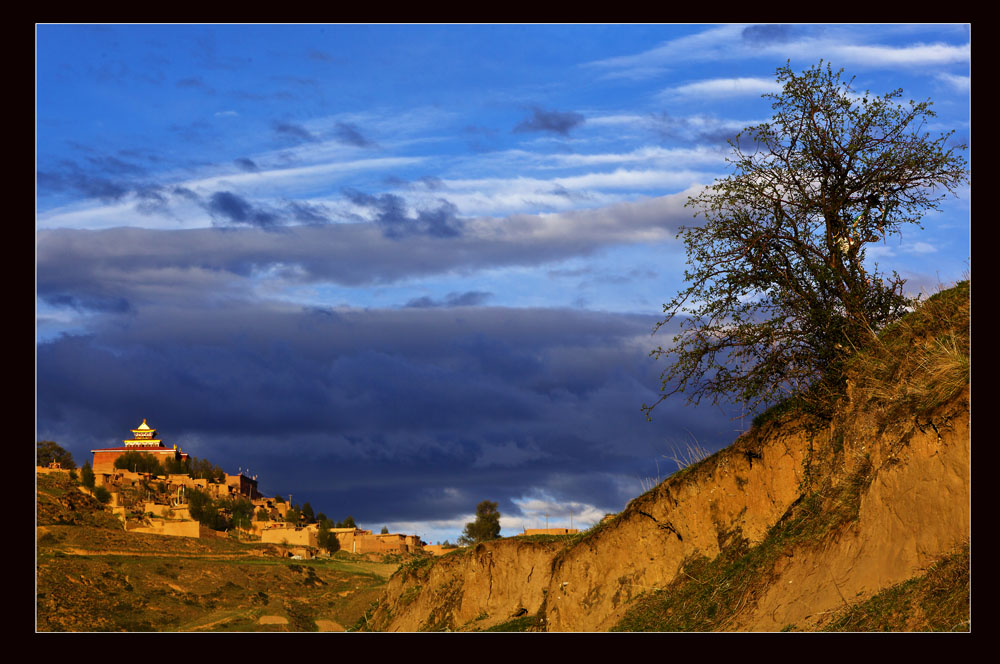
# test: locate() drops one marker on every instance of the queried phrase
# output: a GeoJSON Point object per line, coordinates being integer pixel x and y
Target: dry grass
{"type": "Point", "coordinates": [923, 360]}
{"type": "Point", "coordinates": [683, 457]}
{"type": "Point", "coordinates": [937, 601]}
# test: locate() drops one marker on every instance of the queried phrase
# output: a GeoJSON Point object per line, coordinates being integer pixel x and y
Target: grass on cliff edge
{"type": "Point", "coordinates": [937, 601]}
{"type": "Point", "coordinates": [918, 363]}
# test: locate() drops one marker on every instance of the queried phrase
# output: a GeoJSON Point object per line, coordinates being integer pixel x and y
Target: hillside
{"type": "Point", "coordinates": [92, 575]}
{"type": "Point", "coordinates": [859, 523]}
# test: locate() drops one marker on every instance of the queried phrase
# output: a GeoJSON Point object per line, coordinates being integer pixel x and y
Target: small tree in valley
{"type": "Point", "coordinates": [485, 527]}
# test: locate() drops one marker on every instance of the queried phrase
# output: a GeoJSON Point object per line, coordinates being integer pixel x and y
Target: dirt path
{"type": "Point", "coordinates": [329, 626]}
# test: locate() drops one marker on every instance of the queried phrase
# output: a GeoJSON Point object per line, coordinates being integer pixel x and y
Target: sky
{"type": "Point", "coordinates": [396, 270]}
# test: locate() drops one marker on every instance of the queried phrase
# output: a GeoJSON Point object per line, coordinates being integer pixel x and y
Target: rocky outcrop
{"type": "Point", "coordinates": [474, 588]}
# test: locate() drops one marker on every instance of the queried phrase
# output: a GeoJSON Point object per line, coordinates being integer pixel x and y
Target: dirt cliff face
{"type": "Point", "coordinates": [739, 492]}
{"type": "Point", "coordinates": [796, 521]}
{"type": "Point", "coordinates": [915, 510]}
{"type": "Point", "coordinates": [469, 589]}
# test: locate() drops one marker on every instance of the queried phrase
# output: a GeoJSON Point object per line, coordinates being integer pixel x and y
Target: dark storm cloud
{"type": "Point", "coordinates": [348, 133]}
{"type": "Point", "coordinates": [392, 217]}
{"type": "Point", "coordinates": [247, 164]}
{"type": "Point", "coordinates": [354, 409]}
{"type": "Point", "coordinates": [294, 131]}
{"type": "Point", "coordinates": [234, 209]}
{"type": "Point", "coordinates": [105, 304]}
{"type": "Point", "coordinates": [365, 412]}
{"type": "Point", "coordinates": [558, 122]}
{"type": "Point", "coordinates": [105, 177]}
{"type": "Point", "coordinates": [89, 186]}
{"type": "Point", "coordinates": [467, 299]}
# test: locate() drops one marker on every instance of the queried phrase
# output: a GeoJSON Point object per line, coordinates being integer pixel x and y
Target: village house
{"type": "Point", "coordinates": [175, 518]}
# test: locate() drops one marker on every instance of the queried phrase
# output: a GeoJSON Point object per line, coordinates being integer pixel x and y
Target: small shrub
{"type": "Point", "coordinates": [102, 494]}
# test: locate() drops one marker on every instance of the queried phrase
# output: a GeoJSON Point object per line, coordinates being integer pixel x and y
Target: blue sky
{"type": "Point", "coordinates": [397, 270]}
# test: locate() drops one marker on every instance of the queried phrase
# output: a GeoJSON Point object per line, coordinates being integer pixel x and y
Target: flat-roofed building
{"type": "Point", "coordinates": [143, 440]}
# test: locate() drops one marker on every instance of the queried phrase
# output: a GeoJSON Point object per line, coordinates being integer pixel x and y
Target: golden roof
{"type": "Point", "coordinates": [143, 426]}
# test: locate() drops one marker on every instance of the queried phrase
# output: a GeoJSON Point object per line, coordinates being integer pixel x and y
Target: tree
{"type": "Point", "coordinates": [325, 539]}
{"type": "Point", "coordinates": [203, 509]}
{"type": "Point", "coordinates": [262, 515]}
{"type": "Point", "coordinates": [139, 462]}
{"type": "Point", "coordinates": [347, 523]}
{"type": "Point", "coordinates": [779, 296]}
{"type": "Point", "coordinates": [485, 527]}
{"type": "Point", "coordinates": [203, 469]}
{"type": "Point", "coordinates": [385, 530]}
{"type": "Point", "coordinates": [87, 475]}
{"type": "Point", "coordinates": [48, 451]}
{"type": "Point", "coordinates": [240, 511]}
{"type": "Point", "coordinates": [307, 512]}
{"type": "Point", "coordinates": [177, 466]}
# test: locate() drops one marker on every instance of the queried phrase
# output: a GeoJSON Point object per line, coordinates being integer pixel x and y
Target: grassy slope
{"type": "Point", "coordinates": [94, 576]}
{"type": "Point", "coordinates": [920, 363]}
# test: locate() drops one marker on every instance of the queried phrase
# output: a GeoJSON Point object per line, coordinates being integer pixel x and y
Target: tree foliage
{"type": "Point", "coordinates": [139, 462]}
{"type": "Point", "coordinates": [238, 510]}
{"type": "Point", "coordinates": [87, 475]}
{"type": "Point", "coordinates": [203, 509]}
{"type": "Point", "coordinates": [347, 523]}
{"type": "Point", "coordinates": [47, 451]}
{"type": "Point", "coordinates": [779, 294]}
{"type": "Point", "coordinates": [485, 527]}
{"type": "Point", "coordinates": [326, 539]}
{"type": "Point", "coordinates": [203, 469]}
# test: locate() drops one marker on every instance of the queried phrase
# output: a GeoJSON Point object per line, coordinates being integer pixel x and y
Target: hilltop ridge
{"type": "Point", "coordinates": [792, 527]}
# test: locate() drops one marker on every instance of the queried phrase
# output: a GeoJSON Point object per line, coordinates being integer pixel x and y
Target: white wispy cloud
{"type": "Point", "coordinates": [708, 45]}
{"type": "Point", "coordinates": [915, 55]}
{"type": "Point", "coordinates": [847, 46]}
{"type": "Point", "coordinates": [724, 87]}
{"type": "Point", "coordinates": [958, 83]}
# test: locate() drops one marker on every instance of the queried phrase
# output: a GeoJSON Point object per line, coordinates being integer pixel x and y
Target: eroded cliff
{"type": "Point", "coordinates": [793, 522]}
